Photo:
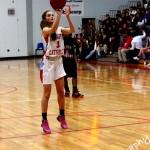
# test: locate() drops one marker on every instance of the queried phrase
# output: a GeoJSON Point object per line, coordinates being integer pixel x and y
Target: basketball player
{"type": "Point", "coordinates": [53, 66]}
{"type": "Point", "coordinates": [70, 66]}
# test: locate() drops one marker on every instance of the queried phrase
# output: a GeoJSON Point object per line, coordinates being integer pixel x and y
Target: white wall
{"type": "Point", "coordinates": [29, 28]}
{"type": "Point", "coordinates": [8, 29]}
{"type": "Point", "coordinates": [22, 28]}
{"type": "Point", "coordinates": [14, 33]}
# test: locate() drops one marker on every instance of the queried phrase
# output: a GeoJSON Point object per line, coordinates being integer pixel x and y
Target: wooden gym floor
{"type": "Point", "coordinates": [113, 115]}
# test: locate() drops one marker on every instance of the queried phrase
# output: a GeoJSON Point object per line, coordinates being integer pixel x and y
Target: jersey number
{"type": "Point", "coordinates": [58, 44]}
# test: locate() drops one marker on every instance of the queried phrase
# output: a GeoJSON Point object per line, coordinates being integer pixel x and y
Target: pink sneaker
{"type": "Point", "coordinates": [62, 121]}
{"type": "Point", "coordinates": [45, 126]}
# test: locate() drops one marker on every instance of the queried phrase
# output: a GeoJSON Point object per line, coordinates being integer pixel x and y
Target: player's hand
{"type": "Point", "coordinates": [67, 11]}
{"type": "Point", "coordinates": [59, 12]}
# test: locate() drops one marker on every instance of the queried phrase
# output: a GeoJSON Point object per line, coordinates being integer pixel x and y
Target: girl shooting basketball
{"type": "Point", "coordinates": [53, 67]}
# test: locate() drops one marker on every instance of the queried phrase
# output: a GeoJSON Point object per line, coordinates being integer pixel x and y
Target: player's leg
{"type": "Point", "coordinates": [44, 107]}
{"type": "Point", "coordinates": [67, 91]}
{"type": "Point", "coordinates": [47, 79]}
{"type": "Point", "coordinates": [61, 101]}
{"type": "Point", "coordinates": [75, 92]}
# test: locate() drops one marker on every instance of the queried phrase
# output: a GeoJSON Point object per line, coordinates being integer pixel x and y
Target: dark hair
{"type": "Point", "coordinates": [125, 35]}
{"type": "Point", "coordinates": [44, 23]}
{"type": "Point", "coordinates": [133, 34]}
{"type": "Point", "coordinates": [144, 1]}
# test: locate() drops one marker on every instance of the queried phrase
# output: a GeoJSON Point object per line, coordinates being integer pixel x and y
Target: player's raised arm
{"type": "Point", "coordinates": [71, 28]}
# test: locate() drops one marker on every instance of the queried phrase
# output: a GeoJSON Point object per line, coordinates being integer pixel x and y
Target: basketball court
{"type": "Point", "coordinates": [113, 115]}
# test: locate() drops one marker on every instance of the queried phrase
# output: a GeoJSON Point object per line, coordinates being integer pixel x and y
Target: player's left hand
{"type": "Point", "coordinates": [67, 11]}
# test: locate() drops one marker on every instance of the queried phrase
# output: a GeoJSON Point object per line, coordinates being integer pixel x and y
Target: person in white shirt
{"type": "Point", "coordinates": [144, 51]}
{"type": "Point", "coordinates": [136, 43]}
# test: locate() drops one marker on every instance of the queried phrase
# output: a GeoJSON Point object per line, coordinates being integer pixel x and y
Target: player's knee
{"type": "Point", "coordinates": [46, 96]}
{"type": "Point", "coordinates": [60, 92]}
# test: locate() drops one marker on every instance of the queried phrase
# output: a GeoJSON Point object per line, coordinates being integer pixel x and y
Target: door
{"type": "Point", "coordinates": [89, 25]}
{"type": "Point", "coordinates": [8, 28]}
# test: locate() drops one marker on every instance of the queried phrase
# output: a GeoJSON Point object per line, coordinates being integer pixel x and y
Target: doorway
{"type": "Point", "coordinates": [89, 25]}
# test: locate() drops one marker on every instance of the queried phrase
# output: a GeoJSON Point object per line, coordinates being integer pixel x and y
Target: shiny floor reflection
{"type": "Point", "coordinates": [113, 115]}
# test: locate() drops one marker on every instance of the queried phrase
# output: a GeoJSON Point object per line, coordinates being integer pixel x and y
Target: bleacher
{"type": "Point", "coordinates": [112, 14]}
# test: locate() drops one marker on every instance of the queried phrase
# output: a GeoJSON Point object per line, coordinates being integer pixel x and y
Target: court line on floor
{"type": "Point", "coordinates": [68, 131]}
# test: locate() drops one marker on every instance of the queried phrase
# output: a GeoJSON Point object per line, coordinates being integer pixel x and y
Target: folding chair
{"type": "Point", "coordinates": [40, 47]}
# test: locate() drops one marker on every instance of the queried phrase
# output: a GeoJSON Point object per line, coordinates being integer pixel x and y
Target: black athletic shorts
{"type": "Point", "coordinates": [70, 67]}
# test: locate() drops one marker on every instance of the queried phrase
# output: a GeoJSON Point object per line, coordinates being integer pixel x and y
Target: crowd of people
{"type": "Point", "coordinates": [123, 34]}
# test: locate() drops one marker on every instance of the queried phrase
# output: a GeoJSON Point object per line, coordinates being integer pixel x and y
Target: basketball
{"type": "Point", "coordinates": [57, 4]}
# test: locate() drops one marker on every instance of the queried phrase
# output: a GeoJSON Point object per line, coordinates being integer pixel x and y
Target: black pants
{"type": "Point", "coordinates": [133, 53]}
{"type": "Point", "coordinates": [70, 67]}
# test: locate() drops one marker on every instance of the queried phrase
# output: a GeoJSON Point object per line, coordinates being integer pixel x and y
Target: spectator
{"type": "Point", "coordinates": [83, 34]}
{"type": "Point", "coordinates": [144, 51]}
{"type": "Point", "coordinates": [79, 45]}
{"type": "Point", "coordinates": [103, 44]}
{"type": "Point", "coordinates": [136, 43]}
{"type": "Point", "coordinates": [124, 49]}
{"type": "Point", "coordinates": [139, 4]}
{"type": "Point", "coordinates": [85, 48]}
{"type": "Point", "coordinates": [141, 21]}
{"type": "Point", "coordinates": [113, 41]}
{"type": "Point", "coordinates": [107, 19]}
{"type": "Point", "coordinates": [125, 29]}
{"type": "Point", "coordinates": [91, 42]}
{"type": "Point", "coordinates": [132, 10]}
{"type": "Point", "coordinates": [148, 17]}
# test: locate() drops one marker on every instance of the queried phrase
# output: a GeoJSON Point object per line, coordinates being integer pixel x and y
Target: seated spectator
{"type": "Point", "coordinates": [83, 34]}
{"type": "Point", "coordinates": [144, 51]}
{"type": "Point", "coordinates": [125, 48]}
{"type": "Point", "coordinates": [92, 52]}
{"type": "Point", "coordinates": [138, 5]}
{"type": "Point", "coordinates": [132, 10]}
{"type": "Point", "coordinates": [113, 41]}
{"type": "Point", "coordinates": [130, 25]}
{"type": "Point", "coordinates": [85, 48]}
{"type": "Point", "coordinates": [125, 29]}
{"type": "Point", "coordinates": [123, 17]}
{"type": "Point", "coordinates": [136, 43]}
{"type": "Point", "coordinates": [127, 16]}
{"type": "Point", "coordinates": [141, 19]}
{"type": "Point", "coordinates": [119, 21]}
{"type": "Point", "coordinates": [107, 19]}
{"type": "Point", "coordinates": [102, 45]}
{"type": "Point", "coordinates": [118, 14]}
{"type": "Point", "coordinates": [91, 43]}
{"type": "Point", "coordinates": [133, 22]}
{"type": "Point", "coordinates": [146, 4]}
{"type": "Point", "coordinates": [148, 17]}
{"type": "Point", "coordinates": [100, 24]}
{"type": "Point", "coordinates": [79, 45]}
